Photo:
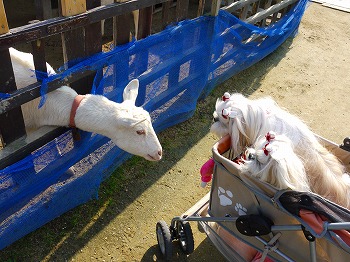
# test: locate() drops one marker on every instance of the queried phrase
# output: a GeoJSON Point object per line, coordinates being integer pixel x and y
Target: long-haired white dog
{"type": "Point", "coordinates": [247, 120]}
{"type": "Point", "coordinates": [272, 159]}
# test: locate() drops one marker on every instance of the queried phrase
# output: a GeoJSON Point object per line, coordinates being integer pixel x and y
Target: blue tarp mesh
{"type": "Point", "coordinates": [175, 68]}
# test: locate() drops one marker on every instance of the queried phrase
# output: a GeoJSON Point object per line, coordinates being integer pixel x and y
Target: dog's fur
{"type": "Point", "coordinates": [275, 162]}
{"type": "Point", "coordinates": [250, 119]}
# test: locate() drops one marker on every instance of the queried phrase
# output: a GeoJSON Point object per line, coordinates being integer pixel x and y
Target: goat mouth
{"type": "Point", "coordinates": [149, 157]}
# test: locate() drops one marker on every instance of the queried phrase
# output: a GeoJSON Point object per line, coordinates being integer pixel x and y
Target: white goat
{"type": "Point", "coordinates": [246, 120]}
{"type": "Point", "coordinates": [128, 126]}
{"type": "Point", "coordinates": [135, 14]}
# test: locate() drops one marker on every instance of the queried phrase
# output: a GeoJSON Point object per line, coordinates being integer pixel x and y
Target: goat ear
{"type": "Point", "coordinates": [131, 90]}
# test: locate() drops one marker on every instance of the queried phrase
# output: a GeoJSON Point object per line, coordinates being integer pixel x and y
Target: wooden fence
{"type": "Point", "coordinates": [79, 26]}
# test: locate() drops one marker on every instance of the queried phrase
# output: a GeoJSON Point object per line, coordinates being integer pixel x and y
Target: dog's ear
{"type": "Point", "coordinates": [274, 151]}
{"type": "Point", "coordinates": [232, 114]}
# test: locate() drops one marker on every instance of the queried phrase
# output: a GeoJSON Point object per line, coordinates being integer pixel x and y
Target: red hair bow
{"type": "Point", "coordinates": [270, 135]}
{"type": "Point", "coordinates": [225, 113]}
{"type": "Point", "coordinates": [266, 152]}
{"type": "Point", "coordinates": [225, 97]}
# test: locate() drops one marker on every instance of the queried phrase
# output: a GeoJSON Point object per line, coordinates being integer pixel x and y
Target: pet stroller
{"type": "Point", "coordinates": [249, 220]}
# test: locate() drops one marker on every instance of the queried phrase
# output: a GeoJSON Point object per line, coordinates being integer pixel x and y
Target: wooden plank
{"type": "Point", "coordinates": [266, 6]}
{"type": "Point", "coordinates": [74, 47]}
{"type": "Point", "coordinates": [244, 12]}
{"type": "Point", "coordinates": [80, 85]}
{"type": "Point", "coordinates": [4, 28]}
{"type": "Point", "coordinates": [238, 5]}
{"type": "Point", "coordinates": [11, 122]}
{"type": "Point", "coordinates": [90, 4]}
{"type": "Point", "coordinates": [93, 41]}
{"type": "Point", "coordinates": [20, 148]}
{"type": "Point", "coordinates": [43, 9]}
{"type": "Point", "coordinates": [201, 5]}
{"type": "Point", "coordinates": [38, 51]}
{"type": "Point", "coordinates": [271, 10]}
{"type": "Point", "coordinates": [255, 7]}
{"type": "Point", "coordinates": [215, 6]}
{"type": "Point", "coordinates": [181, 9]}
{"type": "Point", "coordinates": [121, 29]}
{"type": "Point", "coordinates": [121, 35]}
{"type": "Point", "coordinates": [93, 37]}
{"type": "Point", "coordinates": [75, 7]}
{"type": "Point", "coordinates": [274, 16]}
{"type": "Point", "coordinates": [145, 22]}
{"type": "Point", "coordinates": [166, 13]}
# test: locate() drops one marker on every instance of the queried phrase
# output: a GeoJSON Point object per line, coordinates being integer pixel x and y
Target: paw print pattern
{"type": "Point", "coordinates": [225, 197]}
{"type": "Point", "coordinates": [240, 209]}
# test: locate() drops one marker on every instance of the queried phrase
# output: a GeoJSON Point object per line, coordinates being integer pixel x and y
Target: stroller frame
{"type": "Point", "coordinates": [210, 219]}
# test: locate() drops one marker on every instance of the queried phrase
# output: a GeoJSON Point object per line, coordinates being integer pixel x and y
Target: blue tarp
{"type": "Point", "coordinates": [175, 68]}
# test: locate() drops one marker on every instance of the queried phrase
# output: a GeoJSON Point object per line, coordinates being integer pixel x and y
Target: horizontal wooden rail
{"type": "Point", "coordinates": [238, 5]}
{"type": "Point", "coordinates": [271, 10]}
{"type": "Point", "coordinates": [26, 94]}
{"type": "Point", "coordinates": [58, 25]}
{"type": "Point", "coordinates": [21, 148]}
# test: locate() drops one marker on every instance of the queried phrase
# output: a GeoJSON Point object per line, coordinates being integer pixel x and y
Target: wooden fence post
{"type": "Point", "coordinates": [145, 22]}
{"type": "Point", "coordinates": [80, 42]}
{"type": "Point", "coordinates": [70, 7]}
{"type": "Point", "coordinates": [11, 123]}
{"type": "Point", "coordinates": [4, 28]}
{"type": "Point", "coordinates": [43, 9]}
{"type": "Point", "coordinates": [215, 7]}
{"type": "Point", "coordinates": [181, 9]}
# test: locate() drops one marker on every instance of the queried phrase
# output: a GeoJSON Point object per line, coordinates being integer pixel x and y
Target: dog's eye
{"type": "Point", "coordinates": [251, 156]}
{"type": "Point", "coordinates": [141, 132]}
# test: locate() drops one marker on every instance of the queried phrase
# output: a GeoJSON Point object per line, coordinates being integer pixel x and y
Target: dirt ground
{"type": "Point", "coordinates": [308, 75]}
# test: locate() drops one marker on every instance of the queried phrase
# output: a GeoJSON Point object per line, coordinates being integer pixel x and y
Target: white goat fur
{"type": "Point", "coordinates": [250, 119]}
{"type": "Point", "coordinates": [134, 13]}
{"type": "Point", "coordinates": [128, 126]}
{"type": "Point", "coordinates": [277, 165]}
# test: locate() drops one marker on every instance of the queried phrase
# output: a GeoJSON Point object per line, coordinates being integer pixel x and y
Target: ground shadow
{"type": "Point", "coordinates": [205, 251]}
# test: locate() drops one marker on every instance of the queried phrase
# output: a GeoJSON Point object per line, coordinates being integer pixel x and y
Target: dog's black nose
{"type": "Point", "coordinates": [216, 119]}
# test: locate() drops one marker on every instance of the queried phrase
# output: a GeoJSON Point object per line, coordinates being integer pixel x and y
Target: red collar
{"type": "Point", "coordinates": [73, 111]}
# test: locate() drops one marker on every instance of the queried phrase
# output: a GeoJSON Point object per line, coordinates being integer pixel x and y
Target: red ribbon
{"type": "Point", "coordinates": [223, 115]}
{"type": "Point", "coordinates": [265, 150]}
{"type": "Point", "coordinates": [269, 136]}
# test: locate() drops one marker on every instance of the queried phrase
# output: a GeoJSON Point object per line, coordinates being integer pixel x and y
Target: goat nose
{"type": "Point", "coordinates": [160, 153]}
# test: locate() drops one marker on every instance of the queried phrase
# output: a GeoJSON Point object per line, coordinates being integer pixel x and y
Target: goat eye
{"type": "Point", "coordinates": [140, 132]}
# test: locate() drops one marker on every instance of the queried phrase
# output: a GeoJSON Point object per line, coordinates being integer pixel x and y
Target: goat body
{"type": "Point", "coordinates": [128, 126]}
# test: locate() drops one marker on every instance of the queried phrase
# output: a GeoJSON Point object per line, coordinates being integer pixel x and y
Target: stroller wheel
{"type": "Point", "coordinates": [185, 237]}
{"type": "Point", "coordinates": [164, 239]}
